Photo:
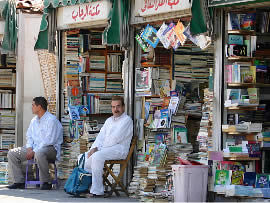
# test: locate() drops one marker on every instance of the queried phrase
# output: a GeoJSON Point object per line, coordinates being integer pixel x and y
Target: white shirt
{"type": "Point", "coordinates": [116, 131]}
{"type": "Point", "coordinates": [44, 132]}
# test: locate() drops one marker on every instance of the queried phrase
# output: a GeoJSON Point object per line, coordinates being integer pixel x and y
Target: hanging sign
{"type": "Point", "coordinates": [83, 13]}
{"type": "Point", "coordinates": [154, 7]}
{"type": "Point", "coordinates": [227, 2]}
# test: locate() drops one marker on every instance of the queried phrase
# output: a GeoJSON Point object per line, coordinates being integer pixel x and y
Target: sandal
{"type": "Point", "coordinates": [90, 195]}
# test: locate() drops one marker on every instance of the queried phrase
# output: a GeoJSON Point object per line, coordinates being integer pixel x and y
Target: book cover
{"type": "Point", "coordinates": [161, 35]}
{"type": "Point", "coordinates": [222, 177]}
{"type": "Point", "coordinates": [180, 135]}
{"type": "Point", "coordinates": [159, 138]}
{"type": "Point", "coordinates": [248, 21]}
{"type": "Point", "coordinates": [234, 94]}
{"type": "Point", "coordinates": [253, 93]}
{"type": "Point", "coordinates": [236, 39]}
{"type": "Point", "coordinates": [249, 179]}
{"type": "Point", "coordinates": [262, 181]}
{"type": "Point", "coordinates": [143, 79]}
{"type": "Point", "coordinates": [229, 73]}
{"type": "Point", "coordinates": [237, 177]}
{"type": "Point", "coordinates": [150, 35]}
{"type": "Point", "coordinates": [74, 112]}
{"type": "Point", "coordinates": [179, 30]}
{"type": "Point", "coordinates": [233, 21]}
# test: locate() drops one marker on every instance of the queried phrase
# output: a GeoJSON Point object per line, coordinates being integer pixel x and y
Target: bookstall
{"type": "Point", "coordinates": [91, 72]}
{"type": "Point", "coordinates": [240, 168]}
{"type": "Point", "coordinates": [173, 95]}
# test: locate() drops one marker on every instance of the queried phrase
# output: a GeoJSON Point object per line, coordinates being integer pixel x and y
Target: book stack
{"type": "Point", "coordinates": [114, 61]}
{"type": "Point", "coordinates": [97, 62]}
{"type": "Point", "coordinates": [71, 55]}
{"type": "Point", "coordinates": [114, 85]}
{"type": "Point", "coordinates": [7, 119]}
{"type": "Point", "coordinates": [3, 155]}
{"type": "Point", "coordinates": [205, 132]}
{"type": "Point", "coordinates": [96, 82]}
{"type": "Point", "coordinates": [7, 140]}
{"type": "Point", "coordinates": [7, 78]}
{"type": "Point", "coordinates": [3, 173]}
{"type": "Point", "coordinates": [96, 40]}
{"type": "Point", "coordinates": [194, 109]}
{"type": "Point", "coordinates": [11, 61]}
{"type": "Point", "coordinates": [182, 67]}
{"type": "Point", "coordinates": [200, 71]}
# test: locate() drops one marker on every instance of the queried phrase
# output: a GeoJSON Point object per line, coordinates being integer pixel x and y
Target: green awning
{"type": "Point", "coordinates": [10, 33]}
{"type": "Point", "coordinates": [198, 23]}
{"type": "Point", "coordinates": [59, 3]}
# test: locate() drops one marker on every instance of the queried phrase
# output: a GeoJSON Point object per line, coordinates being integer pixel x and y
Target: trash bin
{"type": "Point", "coordinates": [190, 183]}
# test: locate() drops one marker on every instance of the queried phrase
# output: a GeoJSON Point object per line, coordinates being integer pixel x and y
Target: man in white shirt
{"type": "Point", "coordinates": [112, 142]}
{"type": "Point", "coordinates": [44, 139]}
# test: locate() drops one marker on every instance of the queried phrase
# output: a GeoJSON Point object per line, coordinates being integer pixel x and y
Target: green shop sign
{"type": "Point", "coordinates": [213, 3]}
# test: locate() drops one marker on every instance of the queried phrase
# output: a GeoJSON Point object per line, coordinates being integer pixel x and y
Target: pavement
{"type": "Point", "coordinates": [34, 195]}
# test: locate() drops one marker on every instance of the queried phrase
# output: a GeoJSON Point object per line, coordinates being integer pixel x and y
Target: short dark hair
{"type": "Point", "coordinates": [41, 101]}
{"type": "Point", "coordinates": [118, 98]}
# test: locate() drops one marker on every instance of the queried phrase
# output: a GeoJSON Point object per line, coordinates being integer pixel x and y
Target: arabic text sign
{"type": "Point", "coordinates": [86, 12]}
{"type": "Point", "coordinates": [154, 7]}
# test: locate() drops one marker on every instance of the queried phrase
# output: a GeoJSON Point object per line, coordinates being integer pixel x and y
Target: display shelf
{"type": "Point", "coordinates": [239, 58]}
{"type": "Point", "coordinates": [114, 72]}
{"type": "Point", "coordinates": [111, 92]}
{"type": "Point", "coordinates": [246, 108]}
{"type": "Point", "coordinates": [7, 108]}
{"type": "Point", "coordinates": [247, 85]}
{"type": "Point", "coordinates": [242, 158]}
{"type": "Point", "coordinates": [154, 65]}
{"type": "Point", "coordinates": [242, 32]}
{"type": "Point", "coordinates": [7, 87]}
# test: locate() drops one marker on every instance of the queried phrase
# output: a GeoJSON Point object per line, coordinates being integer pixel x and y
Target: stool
{"type": "Point", "coordinates": [37, 181]}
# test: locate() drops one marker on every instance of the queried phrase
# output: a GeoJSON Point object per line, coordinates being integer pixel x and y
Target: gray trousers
{"type": "Point", "coordinates": [42, 157]}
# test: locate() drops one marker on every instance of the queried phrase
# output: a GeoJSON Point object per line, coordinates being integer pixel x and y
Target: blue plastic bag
{"type": "Point", "coordinates": [79, 181]}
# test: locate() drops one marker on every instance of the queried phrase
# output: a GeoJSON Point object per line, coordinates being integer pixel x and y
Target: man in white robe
{"type": "Point", "coordinates": [112, 143]}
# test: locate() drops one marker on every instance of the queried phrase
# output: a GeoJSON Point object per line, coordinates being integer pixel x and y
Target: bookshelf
{"type": "Point", "coordinates": [7, 111]}
{"type": "Point", "coordinates": [245, 79]}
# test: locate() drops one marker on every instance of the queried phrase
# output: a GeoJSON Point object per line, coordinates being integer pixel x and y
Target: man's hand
{"type": "Point", "coordinates": [30, 154]}
{"type": "Point", "coordinates": [92, 151]}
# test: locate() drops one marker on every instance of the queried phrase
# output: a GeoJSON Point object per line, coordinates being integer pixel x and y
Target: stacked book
{"type": "Point", "coordinates": [3, 155]}
{"type": "Point", "coordinates": [71, 55]}
{"type": "Point", "coordinates": [96, 40]}
{"type": "Point", "coordinates": [7, 78]}
{"type": "Point", "coordinates": [200, 71]}
{"type": "Point", "coordinates": [7, 119]}
{"type": "Point", "coordinates": [194, 109]}
{"type": "Point", "coordinates": [97, 82]}
{"type": "Point", "coordinates": [97, 62]}
{"type": "Point", "coordinates": [114, 83]}
{"type": "Point", "coordinates": [182, 68]}
{"type": "Point", "coordinates": [205, 131]}
{"type": "Point", "coordinates": [3, 173]}
{"type": "Point", "coordinates": [11, 61]}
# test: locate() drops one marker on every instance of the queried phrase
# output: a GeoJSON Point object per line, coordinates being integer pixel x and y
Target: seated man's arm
{"type": "Point", "coordinates": [29, 142]}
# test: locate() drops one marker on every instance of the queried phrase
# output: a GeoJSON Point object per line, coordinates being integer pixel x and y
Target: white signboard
{"type": "Point", "coordinates": [154, 7]}
{"type": "Point", "coordinates": [82, 13]}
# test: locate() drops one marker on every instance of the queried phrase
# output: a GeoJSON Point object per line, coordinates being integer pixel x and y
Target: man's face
{"type": "Point", "coordinates": [35, 108]}
{"type": "Point", "coordinates": [117, 108]}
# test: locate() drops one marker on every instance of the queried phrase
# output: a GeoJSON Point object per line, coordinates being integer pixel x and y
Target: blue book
{"type": "Point", "coordinates": [249, 178]}
{"type": "Point", "coordinates": [236, 39]}
{"type": "Point", "coordinates": [262, 181]}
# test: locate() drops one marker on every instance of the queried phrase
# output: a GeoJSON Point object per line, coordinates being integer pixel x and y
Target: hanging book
{"type": "Point", "coordinates": [150, 35]}
{"type": "Point", "coordinates": [161, 35]}
{"type": "Point", "coordinates": [142, 44]}
{"type": "Point", "coordinates": [179, 29]}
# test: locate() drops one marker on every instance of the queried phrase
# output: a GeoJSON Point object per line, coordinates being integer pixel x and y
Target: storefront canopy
{"type": "Point", "coordinates": [115, 33]}
{"type": "Point", "coordinates": [222, 3]}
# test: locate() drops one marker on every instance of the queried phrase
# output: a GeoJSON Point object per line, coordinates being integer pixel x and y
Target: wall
{"type": "Point", "coordinates": [29, 80]}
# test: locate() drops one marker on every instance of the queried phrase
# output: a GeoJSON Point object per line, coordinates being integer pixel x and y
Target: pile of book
{"type": "Point", "coordinates": [205, 132]}
{"type": "Point", "coordinates": [3, 172]}
{"type": "Point", "coordinates": [7, 78]}
{"type": "Point", "coordinates": [3, 155]}
{"type": "Point", "coordinates": [96, 82]}
{"type": "Point", "coordinates": [97, 62]}
{"type": "Point", "coordinates": [7, 119]}
{"type": "Point", "coordinates": [96, 40]}
{"type": "Point", "coordinates": [11, 61]}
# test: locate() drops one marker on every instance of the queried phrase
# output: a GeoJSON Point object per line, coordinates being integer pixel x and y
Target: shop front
{"type": "Point", "coordinates": [240, 164]}
{"type": "Point", "coordinates": [174, 69]}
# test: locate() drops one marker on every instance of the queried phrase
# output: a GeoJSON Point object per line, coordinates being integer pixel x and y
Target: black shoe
{"type": "Point", "coordinates": [46, 186]}
{"type": "Point", "coordinates": [16, 186]}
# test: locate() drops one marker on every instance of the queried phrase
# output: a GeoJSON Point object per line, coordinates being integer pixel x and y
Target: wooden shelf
{"type": "Point", "coordinates": [7, 87]}
{"type": "Point", "coordinates": [242, 32]}
{"type": "Point", "coordinates": [99, 114]}
{"type": "Point", "coordinates": [103, 92]}
{"type": "Point", "coordinates": [114, 72]}
{"type": "Point", "coordinates": [7, 108]}
{"type": "Point", "coordinates": [5, 67]}
{"type": "Point", "coordinates": [153, 96]}
{"type": "Point", "coordinates": [246, 108]}
{"type": "Point", "coordinates": [239, 58]}
{"type": "Point", "coordinates": [114, 51]}
{"type": "Point", "coordinates": [247, 85]}
{"type": "Point", "coordinates": [242, 158]}
{"type": "Point", "coordinates": [153, 65]}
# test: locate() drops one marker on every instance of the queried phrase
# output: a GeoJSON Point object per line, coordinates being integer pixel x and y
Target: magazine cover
{"type": "Point", "coordinates": [150, 35]}
{"type": "Point", "coordinates": [262, 181]}
{"type": "Point", "coordinates": [143, 79]}
{"type": "Point", "coordinates": [161, 35]}
{"type": "Point", "coordinates": [179, 29]}
{"type": "Point", "coordinates": [237, 177]}
{"type": "Point", "coordinates": [222, 177]}
{"type": "Point", "coordinates": [180, 135]}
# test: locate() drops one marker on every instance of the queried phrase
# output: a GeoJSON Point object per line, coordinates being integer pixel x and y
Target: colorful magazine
{"type": "Point", "coordinates": [222, 177]}
{"type": "Point", "coordinates": [249, 179]}
{"type": "Point", "coordinates": [237, 177]}
{"type": "Point", "coordinates": [262, 181]}
{"type": "Point", "coordinates": [150, 35]}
